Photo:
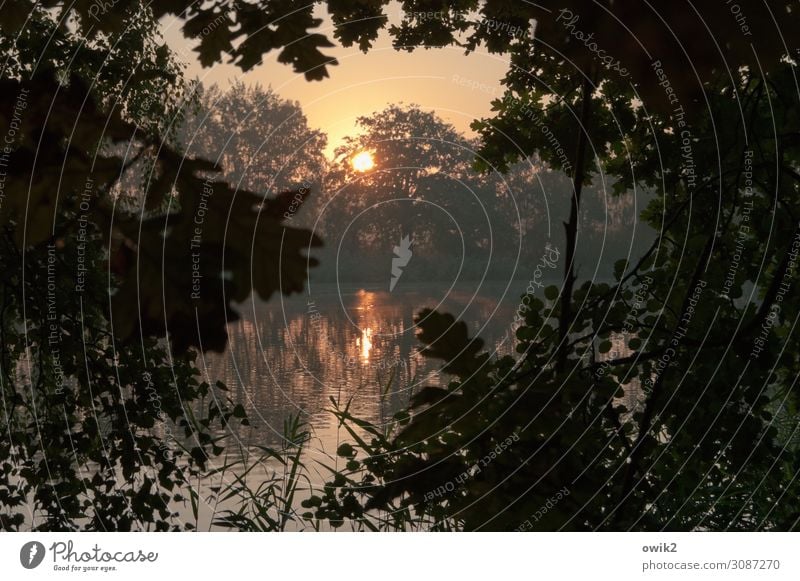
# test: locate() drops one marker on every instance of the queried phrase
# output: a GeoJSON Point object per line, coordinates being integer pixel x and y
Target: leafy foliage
{"type": "Point", "coordinates": [119, 255]}
{"type": "Point", "coordinates": [272, 505]}
{"type": "Point", "coordinates": [99, 435]}
{"type": "Point", "coordinates": [506, 433]}
{"type": "Point", "coordinates": [186, 226]}
{"type": "Point", "coordinates": [656, 401]}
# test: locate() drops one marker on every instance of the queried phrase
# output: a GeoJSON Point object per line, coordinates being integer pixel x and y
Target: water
{"type": "Point", "coordinates": [292, 355]}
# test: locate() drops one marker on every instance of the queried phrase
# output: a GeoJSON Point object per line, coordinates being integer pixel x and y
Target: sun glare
{"type": "Point", "coordinates": [363, 161]}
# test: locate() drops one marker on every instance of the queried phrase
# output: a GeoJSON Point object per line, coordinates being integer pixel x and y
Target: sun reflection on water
{"type": "Point", "coordinates": [289, 358]}
{"type": "Point", "coordinates": [365, 343]}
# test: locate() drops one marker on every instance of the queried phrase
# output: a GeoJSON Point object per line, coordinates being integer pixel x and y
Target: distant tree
{"type": "Point", "coordinates": [261, 141]}
{"type": "Point", "coordinates": [422, 186]}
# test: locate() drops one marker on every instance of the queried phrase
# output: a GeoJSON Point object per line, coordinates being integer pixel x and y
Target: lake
{"type": "Point", "coordinates": [291, 355]}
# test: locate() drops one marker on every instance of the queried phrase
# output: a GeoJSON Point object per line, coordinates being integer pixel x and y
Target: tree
{"type": "Point", "coordinates": [543, 441]}
{"type": "Point", "coordinates": [93, 113]}
{"type": "Point", "coordinates": [262, 142]}
{"type": "Point", "coordinates": [107, 420]}
{"type": "Point", "coordinates": [423, 187]}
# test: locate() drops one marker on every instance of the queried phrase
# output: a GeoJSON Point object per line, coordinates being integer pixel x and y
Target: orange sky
{"type": "Point", "coordinates": [458, 87]}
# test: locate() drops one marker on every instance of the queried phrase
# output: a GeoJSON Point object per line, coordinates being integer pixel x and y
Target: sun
{"type": "Point", "coordinates": [363, 161]}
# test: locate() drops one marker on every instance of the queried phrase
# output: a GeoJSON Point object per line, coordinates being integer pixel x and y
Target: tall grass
{"type": "Point", "coordinates": [269, 505]}
{"type": "Point", "coordinates": [282, 497]}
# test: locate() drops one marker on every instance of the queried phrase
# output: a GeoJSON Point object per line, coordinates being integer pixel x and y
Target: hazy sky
{"type": "Point", "coordinates": [458, 87]}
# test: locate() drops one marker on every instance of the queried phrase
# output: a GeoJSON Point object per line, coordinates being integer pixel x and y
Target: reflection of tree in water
{"type": "Point", "coordinates": [282, 360]}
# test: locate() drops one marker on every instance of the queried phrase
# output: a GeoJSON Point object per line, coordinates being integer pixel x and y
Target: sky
{"type": "Point", "coordinates": [458, 87]}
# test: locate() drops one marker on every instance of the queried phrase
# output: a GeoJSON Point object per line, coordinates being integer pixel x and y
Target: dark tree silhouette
{"type": "Point", "coordinates": [693, 425]}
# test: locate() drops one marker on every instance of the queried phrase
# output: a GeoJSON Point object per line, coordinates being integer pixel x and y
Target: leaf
{"type": "Point", "coordinates": [55, 168]}
{"type": "Point", "coordinates": [219, 247]}
{"type": "Point", "coordinates": [428, 396]}
{"type": "Point", "coordinates": [213, 29]}
{"type": "Point", "coordinates": [345, 451]}
{"type": "Point", "coordinates": [446, 339]}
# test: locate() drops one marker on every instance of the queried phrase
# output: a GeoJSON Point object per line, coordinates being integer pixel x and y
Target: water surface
{"type": "Point", "coordinates": [292, 355]}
